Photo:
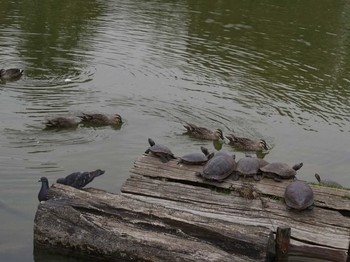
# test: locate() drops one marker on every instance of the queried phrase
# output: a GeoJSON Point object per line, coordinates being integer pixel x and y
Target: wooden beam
{"type": "Point", "coordinates": [282, 243]}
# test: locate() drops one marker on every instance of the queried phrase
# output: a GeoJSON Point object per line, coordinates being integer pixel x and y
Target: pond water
{"type": "Point", "coordinates": [278, 71]}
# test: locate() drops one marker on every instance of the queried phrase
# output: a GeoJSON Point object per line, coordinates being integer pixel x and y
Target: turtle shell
{"type": "Point", "coordinates": [219, 167]}
{"type": "Point", "coordinates": [195, 158]}
{"type": "Point", "coordinates": [299, 195]}
{"type": "Point", "coordinates": [248, 166]}
{"type": "Point", "coordinates": [280, 169]}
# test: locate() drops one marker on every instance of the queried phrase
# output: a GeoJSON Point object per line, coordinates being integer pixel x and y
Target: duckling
{"type": "Point", "coordinates": [101, 120]}
{"type": "Point", "coordinates": [61, 122]}
{"type": "Point", "coordinates": [327, 182]}
{"type": "Point", "coordinates": [11, 74]}
{"type": "Point", "coordinates": [243, 143]}
{"type": "Point", "coordinates": [204, 133]}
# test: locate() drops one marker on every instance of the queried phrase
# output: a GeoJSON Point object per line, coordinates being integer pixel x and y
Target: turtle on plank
{"type": "Point", "coordinates": [196, 158]}
{"type": "Point", "coordinates": [161, 151]}
{"type": "Point", "coordinates": [218, 167]}
{"type": "Point", "coordinates": [324, 182]}
{"type": "Point", "coordinates": [249, 166]}
{"type": "Point", "coordinates": [279, 171]}
{"type": "Point", "coordinates": [299, 195]}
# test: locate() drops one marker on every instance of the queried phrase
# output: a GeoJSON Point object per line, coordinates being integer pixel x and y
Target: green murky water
{"type": "Point", "coordinates": [278, 71]}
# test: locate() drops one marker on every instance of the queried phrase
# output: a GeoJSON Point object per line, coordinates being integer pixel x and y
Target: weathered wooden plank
{"type": "Point", "coordinates": [166, 213]}
{"type": "Point", "coordinates": [148, 165]}
{"type": "Point", "coordinates": [282, 243]}
{"type": "Point", "coordinates": [316, 226]}
{"type": "Point", "coordinates": [94, 221]}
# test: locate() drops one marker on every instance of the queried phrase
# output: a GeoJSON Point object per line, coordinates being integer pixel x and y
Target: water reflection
{"type": "Point", "coordinates": [268, 70]}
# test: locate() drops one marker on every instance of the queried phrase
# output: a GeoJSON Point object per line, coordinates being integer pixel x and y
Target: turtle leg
{"type": "Point", "coordinates": [163, 158]}
{"type": "Point", "coordinates": [147, 151]}
{"type": "Point", "coordinates": [277, 179]}
{"type": "Point", "coordinates": [198, 174]}
{"type": "Point", "coordinates": [257, 177]}
{"type": "Point", "coordinates": [235, 176]}
{"type": "Point", "coordinates": [310, 207]}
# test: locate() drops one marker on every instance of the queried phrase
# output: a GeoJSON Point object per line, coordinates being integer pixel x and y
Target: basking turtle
{"type": "Point", "coordinates": [196, 158]}
{"type": "Point", "coordinates": [61, 123]}
{"type": "Point", "coordinates": [247, 144]}
{"type": "Point", "coordinates": [161, 151]}
{"type": "Point", "coordinates": [204, 133]}
{"type": "Point", "coordinates": [11, 74]}
{"type": "Point", "coordinates": [249, 166]}
{"type": "Point", "coordinates": [100, 119]}
{"type": "Point", "coordinates": [219, 167]}
{"type": "Point", "coordinates": [299, 195]}
{"type": "Point", "coordinates": [279, 171]}
{"type": "Point", "coordinates": [324, 182]}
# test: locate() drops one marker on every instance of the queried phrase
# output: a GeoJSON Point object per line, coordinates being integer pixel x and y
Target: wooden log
{"type": "Point", "coordinates": [119, 227]}
{"type": "Point", "coordinates": [166, 213]}
{"type": "Point", "coordinates": [282, 243]}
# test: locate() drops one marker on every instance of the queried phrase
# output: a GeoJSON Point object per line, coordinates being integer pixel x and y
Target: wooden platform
{"type": "Point", "coordinates": [166, 213]}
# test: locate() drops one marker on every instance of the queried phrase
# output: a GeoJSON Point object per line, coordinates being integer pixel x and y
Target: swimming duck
{"type": "Point", "coordinates": [204, 133]}
{"type": "Point", "coordinates": [243, 143]}
{"type": "Point", "coordinates": [61, 122]}
{"type": "Point", "coordinates": [100, 119]}
{"type": "Point", "coordinates": [11, 74]}
{"type": "Point", "coordinates": [43, 193]}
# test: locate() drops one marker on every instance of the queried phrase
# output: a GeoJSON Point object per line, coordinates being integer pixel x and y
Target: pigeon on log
{"type": "Point", "coordinates": [80, 179]}
{"type": "Point", "coordinates": [43, 193]}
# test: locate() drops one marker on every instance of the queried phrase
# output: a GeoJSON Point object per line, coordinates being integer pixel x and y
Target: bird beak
{"type": "Point", "coordinates": [39, 180]}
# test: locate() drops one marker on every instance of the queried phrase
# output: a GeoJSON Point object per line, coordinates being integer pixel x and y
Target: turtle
{"type": "Point", "coordinates": [100, 119]}
{"type": "Point", "coordinates": [161, 151]}
{"type": "Point", "coordinates": [247, 144]}
{"type": "Point", "coordinates": [218, 167]}
{"type": "Point", "coordinates": [204, 133]}
{"type": "Point", "coordinates": [196, 158]}
{"type": "Point", "coordinates": [249, 166]}
{"type": "Point", "coordinates": [279, 170]}
{"type": "Point", "coordinates": [299, 195]}
{"type": "Point", "coordinates": [324, 182]}
{"type": "Point", "coordinates": [11, 74]}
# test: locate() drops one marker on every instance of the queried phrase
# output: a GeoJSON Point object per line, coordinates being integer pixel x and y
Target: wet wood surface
{"type": "Point", "coordinates": [166, 212]}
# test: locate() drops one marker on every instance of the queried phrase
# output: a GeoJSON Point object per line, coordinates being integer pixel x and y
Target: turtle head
{"type": "Point", "coordinates": [205, 150]}
{"type": "Point", "coordinates": [263, 145]}
{"type": "Point", "coordinates": [151, 142]}
{"type": "Point", "coordinates": [318, 178]}
{"type": "Point", "coordinates": [218, 133]}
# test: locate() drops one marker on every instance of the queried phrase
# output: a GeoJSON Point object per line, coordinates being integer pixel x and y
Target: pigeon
{"type": "Point", "coordinates": [10, 74]}
{"type": "Point", "coordinates": [80, 179]}
{"type": "Point", "coordinates": [43, 193]}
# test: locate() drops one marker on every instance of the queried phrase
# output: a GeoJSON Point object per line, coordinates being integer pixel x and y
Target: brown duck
{"type": "Point", "coordinates": [204, 133]}
{"type": "Point", "coordinates": [243, 143]}
{"type": "Point", "coordinates": [61, 122]}
{"type": "Point", "coordinates": [100, 119]}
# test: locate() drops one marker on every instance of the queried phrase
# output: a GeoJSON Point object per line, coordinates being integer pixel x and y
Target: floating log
{"type": "Point", "coordinates": [165, 213]}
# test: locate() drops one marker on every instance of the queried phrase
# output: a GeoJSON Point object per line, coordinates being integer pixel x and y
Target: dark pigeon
{"type": "Point", "coordinates": [80, 179]}
{"type": "Point", "coordinates": [43, 193]}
